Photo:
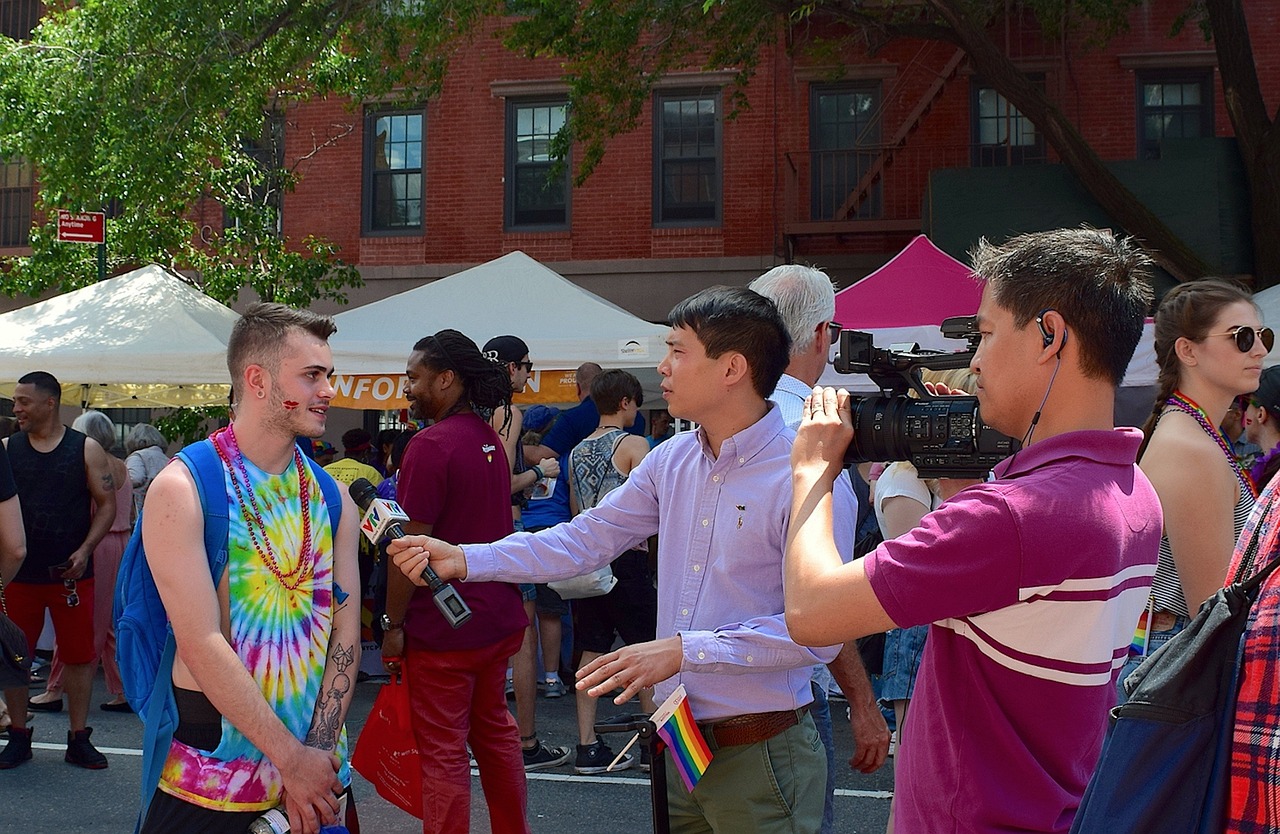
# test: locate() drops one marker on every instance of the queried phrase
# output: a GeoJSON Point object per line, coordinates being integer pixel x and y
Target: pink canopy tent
{"type": "Point", "coordinates": [921, 285]}
{"type": "Point", "coordinates": [904, 302]}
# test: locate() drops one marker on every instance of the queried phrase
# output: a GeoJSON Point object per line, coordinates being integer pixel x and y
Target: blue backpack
{"type": "Point", "coordinates": [145, 647]}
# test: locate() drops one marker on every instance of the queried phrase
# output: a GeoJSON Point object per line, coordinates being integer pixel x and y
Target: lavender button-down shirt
{"type": "Point", "coordinates": [722, 527]}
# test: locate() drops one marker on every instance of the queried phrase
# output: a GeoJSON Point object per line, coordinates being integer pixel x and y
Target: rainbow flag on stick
{"type": "Point", "coordinates": [689, 751]}
{"type": "Point", "coordinates": [1140, 634]}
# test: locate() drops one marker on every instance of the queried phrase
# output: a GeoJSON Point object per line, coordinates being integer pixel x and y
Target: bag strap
{"type": "Point", "coordinates": [4, 609]}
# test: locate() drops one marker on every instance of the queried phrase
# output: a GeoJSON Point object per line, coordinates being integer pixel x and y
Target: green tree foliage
{"type": "Point", "coordinates": [147, 104]}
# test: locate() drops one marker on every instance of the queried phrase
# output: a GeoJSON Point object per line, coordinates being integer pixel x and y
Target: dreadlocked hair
{"type": "Point", "coordinates": [487, 382]}
{"type": "Point", "coordinates": [1187, 311]}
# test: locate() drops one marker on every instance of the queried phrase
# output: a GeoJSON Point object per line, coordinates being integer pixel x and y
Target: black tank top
{"type": "Point", "coordinates": [56, 504]}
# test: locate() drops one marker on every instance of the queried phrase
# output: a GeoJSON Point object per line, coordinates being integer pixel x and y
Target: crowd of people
{"type": "Point", "coordinates": [603, 561]}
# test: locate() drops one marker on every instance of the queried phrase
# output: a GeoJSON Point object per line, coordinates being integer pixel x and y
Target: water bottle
{"type": "Point", "coordinates": [276, 821]}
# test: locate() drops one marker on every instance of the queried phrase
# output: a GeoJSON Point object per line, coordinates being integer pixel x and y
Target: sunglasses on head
{"type": "Point", "coordinates": [833, 332]}
{"type": "Point", "coordinates": [1245, 337]}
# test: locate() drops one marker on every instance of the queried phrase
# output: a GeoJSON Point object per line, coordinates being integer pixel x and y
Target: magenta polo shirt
{"type": "Point", "coordinates": [1033, 584]}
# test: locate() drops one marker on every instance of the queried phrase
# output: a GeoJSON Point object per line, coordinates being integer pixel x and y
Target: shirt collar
{"type": "Point", "coordinates": [747, 443]}
{"type": "Point", "coordinates": [787, 384]}
{"type": "Point", "coordinates": [1118, 447]}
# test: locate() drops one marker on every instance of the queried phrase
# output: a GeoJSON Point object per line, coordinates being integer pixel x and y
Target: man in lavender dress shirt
{"type": "Point", "coordinates": [719, 500]}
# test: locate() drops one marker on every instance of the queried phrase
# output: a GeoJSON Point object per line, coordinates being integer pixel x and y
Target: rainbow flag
{"type": "Point", "coordinates": [1139, 645]}
{"type": "Point", "coordinates": [676, 727]}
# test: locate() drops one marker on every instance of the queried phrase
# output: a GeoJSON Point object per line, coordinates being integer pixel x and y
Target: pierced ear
{"type": "Point", "coordinates": [257, 380]}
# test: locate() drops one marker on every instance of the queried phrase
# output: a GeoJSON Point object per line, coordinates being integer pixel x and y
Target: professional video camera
{"type": "Point", "coordinates": [944, 437]}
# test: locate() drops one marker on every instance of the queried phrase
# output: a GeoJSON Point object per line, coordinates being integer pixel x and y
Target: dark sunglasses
{"type": "Point", "coordinates": [833, 332]}
{"type": "Point", "coordinates": [528, 366]}
{"type": "Point", "coordinates": [1245, 337]}
{"type": "Point", "coordinates": [73, 598]}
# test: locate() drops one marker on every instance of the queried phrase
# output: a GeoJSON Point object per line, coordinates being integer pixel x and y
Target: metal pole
{"type": "Point", "coordinates": [102, 259]}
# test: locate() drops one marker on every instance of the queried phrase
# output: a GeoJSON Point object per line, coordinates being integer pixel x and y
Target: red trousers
{"type": "Point", "coordinates": [457, 698]}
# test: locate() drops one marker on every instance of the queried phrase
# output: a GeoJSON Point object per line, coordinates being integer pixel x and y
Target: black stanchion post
{"type": "Point", "coordinates": [649, 738]}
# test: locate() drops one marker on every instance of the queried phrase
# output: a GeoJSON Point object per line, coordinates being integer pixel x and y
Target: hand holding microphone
{"type": "Point", "coordinates": [382, 521]}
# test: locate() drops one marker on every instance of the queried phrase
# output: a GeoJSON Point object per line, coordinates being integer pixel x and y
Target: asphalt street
{"type": "Point", "coordinates": [48, 796]}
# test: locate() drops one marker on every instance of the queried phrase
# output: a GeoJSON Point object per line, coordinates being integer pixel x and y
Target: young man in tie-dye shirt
{"type": "Point", "coordinates": [266, 658]}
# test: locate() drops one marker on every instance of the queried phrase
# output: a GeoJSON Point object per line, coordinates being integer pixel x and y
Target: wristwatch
{"type": "Point", "coordinates": [388, 625]}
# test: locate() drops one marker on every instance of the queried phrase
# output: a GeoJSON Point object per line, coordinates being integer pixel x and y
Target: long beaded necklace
{"type": "Point", "coordinates": [303, 570]}
{"type": "Point", "coordinates": [1189, 406]}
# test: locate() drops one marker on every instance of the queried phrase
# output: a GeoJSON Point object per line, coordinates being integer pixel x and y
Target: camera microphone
{"type": "Point", "coordinates": [382, 521]}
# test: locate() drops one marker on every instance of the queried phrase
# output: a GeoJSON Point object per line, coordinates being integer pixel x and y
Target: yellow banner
{"type": "Point", "coordinates": [385, 392]}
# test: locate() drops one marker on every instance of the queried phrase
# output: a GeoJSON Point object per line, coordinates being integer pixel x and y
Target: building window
{"type": "Point", "coordinates": [537, 184]}
{"type": "Point", "coordinates": [686, 153]}
{"type": "Point", "coordinates": [1173, 105]}
{"type": "Point", "coordinates": [18, 18]}
{"type": "Point", "coordinates": [393, 170]}
{"type": "Point", "coordinates": [264, 190]}
{"type": "Point", "coordinates": [844, 141]}
{"type": "Point", "coordinates": [1000, 134]}
{"type": "Point", "coordinates": [15, 202]}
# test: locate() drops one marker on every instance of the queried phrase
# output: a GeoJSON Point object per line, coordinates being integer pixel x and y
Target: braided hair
{"type": "Point", "coordinates": [486, 382]}
{"type": "Point", "coordinates": [1187, 311]}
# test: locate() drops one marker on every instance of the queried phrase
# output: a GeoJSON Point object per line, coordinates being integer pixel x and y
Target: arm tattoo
{"type": "Point", "coordinates": [109, 482]}
{"type": "Point", "coordinates": [326, 724]}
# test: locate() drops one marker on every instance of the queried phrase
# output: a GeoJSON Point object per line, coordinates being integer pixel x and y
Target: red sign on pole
{"type": "Point", "coordinates": [83, 227]}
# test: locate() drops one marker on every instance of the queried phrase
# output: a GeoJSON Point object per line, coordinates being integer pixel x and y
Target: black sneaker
{"type": "Point", "coordinates": [542, 756]}
{"type": "Point", "coordinates": [595, 758]}
{"type": "Point", "coordinates": [82, 753]}
{"type": "Point", "coordinates": [18, 750]}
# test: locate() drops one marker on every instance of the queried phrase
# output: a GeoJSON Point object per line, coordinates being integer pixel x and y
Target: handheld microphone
{"type": "Point", "coordinates": [382, 521]}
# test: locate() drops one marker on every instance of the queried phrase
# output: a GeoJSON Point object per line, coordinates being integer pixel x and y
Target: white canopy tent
{"type": "Point", "coordinates": [143, 339]}
{"type": "Point", "coordinates": [563, 324]}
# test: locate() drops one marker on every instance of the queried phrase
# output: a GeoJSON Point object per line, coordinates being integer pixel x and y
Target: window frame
{"type": "Point", "coordinates": [659, 207]}
{"type": "Point", "coordinates": [984, 155]}
{"type": "Point", "coordinates": [511, 166]}
{"type": "Point", "coordinates": [368, 175]}
{"type": "Point", "coordinates": [1202, 76]}
{"type": "Point", "coordinates": [19, 196]}
{"type": "Point", "coordinates": [873, 207]}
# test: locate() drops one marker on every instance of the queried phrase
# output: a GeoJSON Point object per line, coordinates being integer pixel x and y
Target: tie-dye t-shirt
{"type": "Point", "coordinates": [281, 636]}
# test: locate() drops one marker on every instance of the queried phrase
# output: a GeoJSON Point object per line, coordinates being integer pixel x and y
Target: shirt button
{"type": "Point", "coordinates": [705, 522]}
{"type": "Point", "coordinates": [697, 568]}
{"type": "Point", "coordinates": [750, 659]}
{"type": "Point", "coordinates": [702, 655]}
{"type": "Point", "coordinates": [715, 478]}
{"type": "Point", "coordinates": [742, 460]}
{"type": "Point", "coordinates": [684, 612]}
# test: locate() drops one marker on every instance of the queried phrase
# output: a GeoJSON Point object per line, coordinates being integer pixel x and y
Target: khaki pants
{"type": "Point", "coordinates": [771, 787]}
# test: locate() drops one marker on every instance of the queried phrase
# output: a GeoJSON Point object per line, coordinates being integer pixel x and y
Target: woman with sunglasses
{"type": "Point", "coordinates": [1209, 343]}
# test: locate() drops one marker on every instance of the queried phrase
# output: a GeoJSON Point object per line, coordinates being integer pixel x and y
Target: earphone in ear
{"type": "Point", "coordinates": [1045, 332]}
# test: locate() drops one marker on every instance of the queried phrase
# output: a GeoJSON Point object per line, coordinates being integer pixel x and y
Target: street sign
{"type": "Point", "coordinates": [82, 227]}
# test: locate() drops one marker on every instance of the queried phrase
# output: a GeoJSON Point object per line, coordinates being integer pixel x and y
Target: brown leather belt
{"type": "Point", "coordinates": [749, 729]}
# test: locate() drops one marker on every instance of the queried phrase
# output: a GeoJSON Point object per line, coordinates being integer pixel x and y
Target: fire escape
{"type": "Point", "coordinates": [883, 193]}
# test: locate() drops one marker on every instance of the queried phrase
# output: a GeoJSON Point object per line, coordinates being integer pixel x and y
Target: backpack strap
{"type": "Point", "coordinates": [202, 460]}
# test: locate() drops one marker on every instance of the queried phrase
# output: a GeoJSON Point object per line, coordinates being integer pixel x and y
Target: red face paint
{"type": "Point", "coordinates": [290, 405]}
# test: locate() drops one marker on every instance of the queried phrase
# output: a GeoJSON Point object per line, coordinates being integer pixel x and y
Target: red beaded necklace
{"type": "Point", "coordinates": [255, 523]}
{"type": "Point", "coordinates": [1189, 406]}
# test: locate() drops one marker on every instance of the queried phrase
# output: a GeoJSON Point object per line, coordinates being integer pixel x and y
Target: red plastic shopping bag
{"type": "Point", "coordinates": [386, 753]}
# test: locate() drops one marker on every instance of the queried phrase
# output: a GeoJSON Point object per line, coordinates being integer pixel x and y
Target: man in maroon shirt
{"type": "Point", "coordinates": [455, 484]}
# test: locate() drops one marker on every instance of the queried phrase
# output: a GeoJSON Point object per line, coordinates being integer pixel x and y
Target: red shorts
{"type": "Point", "coordinates": [72, 626]}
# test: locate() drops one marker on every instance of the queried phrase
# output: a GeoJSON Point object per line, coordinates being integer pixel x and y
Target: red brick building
{"type": "Point", "coordinates": [829, 164]}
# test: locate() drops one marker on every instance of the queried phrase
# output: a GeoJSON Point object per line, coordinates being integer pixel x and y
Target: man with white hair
{"type": "Point", "coordinates": [806, 301]}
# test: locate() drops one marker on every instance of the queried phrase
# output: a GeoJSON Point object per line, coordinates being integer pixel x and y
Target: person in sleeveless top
{"type": "Point", "coordinates": [597, 466]}
{"type": "Point", "coordinates": [106, 562]}
{"type": "Point", "coordinates": [68, 495]}
{"type": "Point", "coordinates": [266, 658]}
{"type": "Point", "coordinates": [13, 544]}
{"type": "Point", "coordinates": [1210, 344]}
{"type": "Point", "coordinates": [508, 422]}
